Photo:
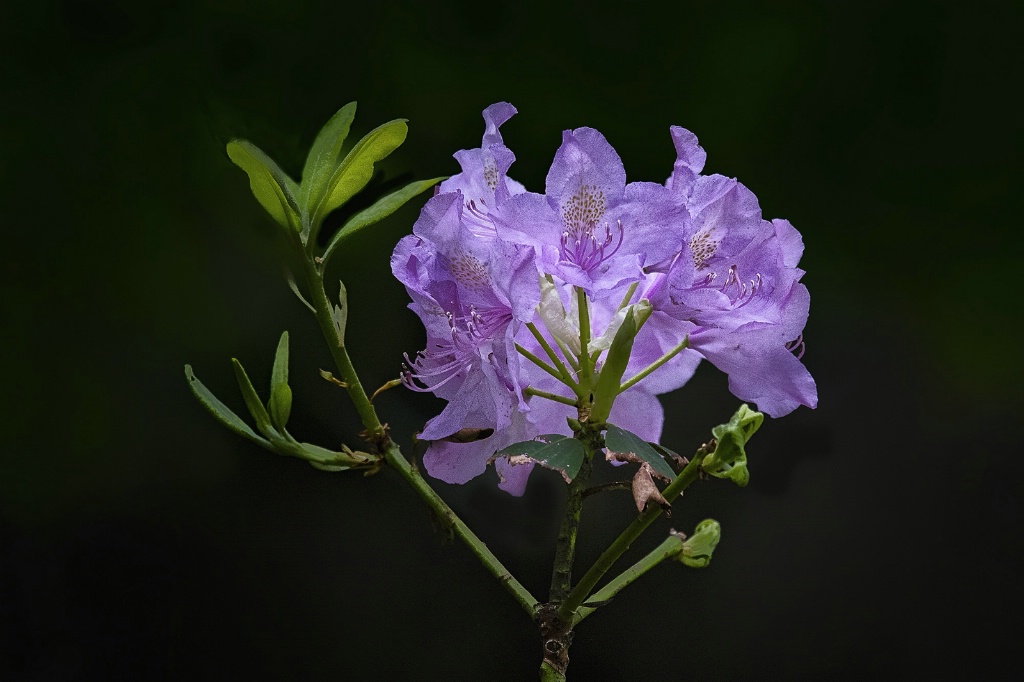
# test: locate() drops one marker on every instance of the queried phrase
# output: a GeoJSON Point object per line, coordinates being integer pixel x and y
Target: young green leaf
{"type": "Point", "coordinates": [280, 405]}
{"type": "Point", "coordinates": [355, 171]}
{"type": "Point", "coordinates": [323, 155]}
{"type": "Point", "coordinates": [219, 410]}
{"type": "Point", "coordinates": [563, 454]}
{"type": "Point", "coordinates": [621, 444]}
{"type": "Point", "coordinates": [339, 314]}
{"type": "Point", "coordinates": [252, 401]}
{"type": "Point", "coordinates": [270, 185]}
{"type": "Point", "coordinates": [381, 209]}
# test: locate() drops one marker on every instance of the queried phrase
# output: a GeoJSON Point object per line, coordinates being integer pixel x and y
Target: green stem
{"type": "Point", "coordinates": [392, 453]}
{"type": "Point", "coordinates": [540, 363]}
{"type": "Point", "coordinates": [322, 310]}
{"type": "Point", "coordinates": [672, 545]}
{"type": "Point", "coordinates": [586, 363]}
{"type": "Point", "coordinates": [556, 632]}
{"type": "Point", "coordinates": [548, 673]}
{"type": "Point", "coordinates": [567, 609]}
{"type": "Point", "coordinates": [565, 546]}
{"type": "Point", "coordinates": [656, 364]}
{"type": "Point", "coordinates": [568, 355]}
{"type": "Point", "coordinates": [393, 456]}
{"type": "Point", "coordinates": [555, 360]}
{"type": "Point", "coordinates": [530, 390]}
{"type": "Point", "coordinates": [629, 295]}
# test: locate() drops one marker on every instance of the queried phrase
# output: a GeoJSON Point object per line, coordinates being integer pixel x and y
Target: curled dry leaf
{"type": "Point", "coordinates": [645, 491]}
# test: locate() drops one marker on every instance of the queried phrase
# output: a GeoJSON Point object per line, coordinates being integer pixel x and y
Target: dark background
{"type": "Point", "coordinates": [140, 540]}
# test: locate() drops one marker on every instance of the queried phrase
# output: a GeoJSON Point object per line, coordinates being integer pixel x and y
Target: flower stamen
{"type": "Point", "coordinates": [584, 245]}
{"type": "Point", "coordinates": [797, 344]}
{"type": "Point", "coordinates": [434, 367]}
{"type": "Point", "coordinates": [479, 222]}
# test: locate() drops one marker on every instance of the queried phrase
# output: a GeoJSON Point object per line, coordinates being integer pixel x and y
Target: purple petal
{"type": "Point", "coordinates": [690, 158]}
{"type": "Point", "coordinates": [760, 369]}
{"type": "Point", "coordinates": [586, 160]}
{"type": "Point", "coordinates": [640, 412]}
{"type": "Point", "coordinates": [513, 478]}
{"type": "Point", "coordinates": [494, 116]}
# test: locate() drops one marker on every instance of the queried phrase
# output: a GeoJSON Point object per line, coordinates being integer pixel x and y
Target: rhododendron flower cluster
{"type": "Point", "coordinates": [497, 275]}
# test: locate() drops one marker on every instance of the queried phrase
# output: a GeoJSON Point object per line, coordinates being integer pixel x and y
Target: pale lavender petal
{"type": "Point", "coordinates": [639, 412]}
{"type": "Point", "coordinates": [457, 462]}
{"type": "Point", "coordinates": [660, 334]}
{"type": "Point", "coordinates": [472, 407]}
{"type": "Point", "coordinates": [760, 368]}
{"type": "Point", "coordinates": [514, 271]}
{"type": "Point", "coordinates": [512, 478]}
{"type": "Point", "coordinates": [690, 158]}
{"type": "Point", "coordinates": [790, 242]}
{"type": "Point", "coordinates": [652, 220]}
{"type": "Point", "coordinates": [586, 168]}
{"type": "Point", "coordinates": [494, 116]}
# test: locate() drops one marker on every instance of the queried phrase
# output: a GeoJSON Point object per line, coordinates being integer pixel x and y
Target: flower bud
{"type": "Point", "coordinates": [729, 460]}
{"type": "Point", "coordinates": [698, 548]}
{"type": "Point", "coordinates": [608, 381]}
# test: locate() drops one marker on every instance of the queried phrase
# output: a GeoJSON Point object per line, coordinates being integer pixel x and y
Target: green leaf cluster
{"type": "Point", "coordinates": [271, 418]}
{"type": "Point", "coordinates": [328, 181]}
{"type": "Point", "coordinates": [729, 459]}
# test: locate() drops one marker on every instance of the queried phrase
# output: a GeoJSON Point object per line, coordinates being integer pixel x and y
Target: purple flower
{"type": "Point", "coordinates": [467, 291]}
{"type": "Point", "coordinates": [590, 228]}
{"type": "Point", "coordinates": [735, 290]}
{"type": "Point", "coordinates": [483, 181]}
{"type": "Point", "coordinates": [490, 264]}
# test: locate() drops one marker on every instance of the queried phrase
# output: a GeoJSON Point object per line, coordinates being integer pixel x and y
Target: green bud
{"type": "Point", "coordinates": [746, 421]}
{"type": "Point", "coordinates": [729, 460]}
{"type": "Point", "coordinates": [610, 378]}
{"type": "Point", "coordinates": [698, 548]}
{"type": "Point", "coordinates": [280, 405]}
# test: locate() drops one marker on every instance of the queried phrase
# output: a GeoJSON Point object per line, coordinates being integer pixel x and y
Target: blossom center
{"type": "Point", "coordinates": [585, 242]}
{"type": "Point", "coordinates": [455, 356]}
{"type": "Point", "coordinates": [702, 247]}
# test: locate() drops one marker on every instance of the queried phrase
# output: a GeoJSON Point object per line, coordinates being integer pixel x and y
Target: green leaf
{"type": "Point", "coordinates": [219, 410]}
{"type": "Point", "coordinates": [563, 454]}
{"type": "Point", "coordinates": [625, 443]}
{"type": "Point", "coordinates": [270, 185]}
{"type": "Point", "coordinates": [252, 401]}
{"type": "Point", "coordinates": [381, 209]}
{"type": "Point", "coordinates": [280, 405]}
{"type": "Point", "coordinates": [323, 155]}
{"type": "Point", "coordinates": [355, 171]}
{"type": "Point", "coordinates": [294, 286]}
{"type": "Point", "coordinates": [671, 456]}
